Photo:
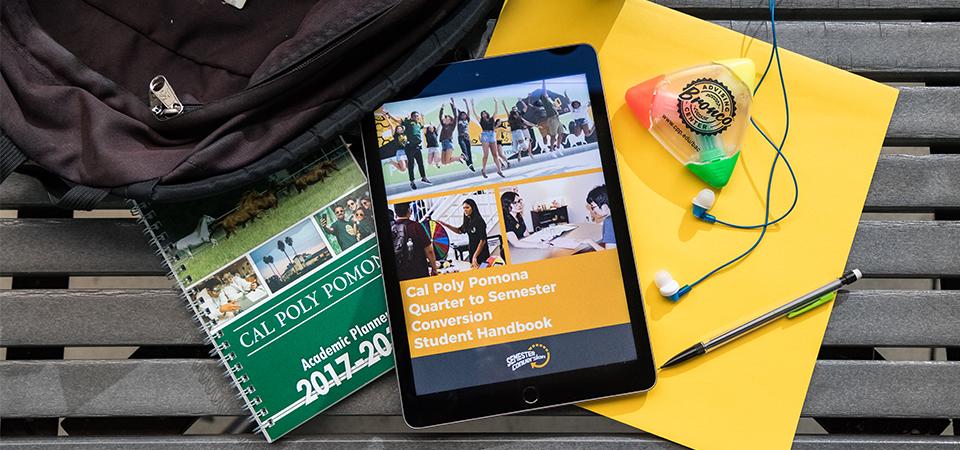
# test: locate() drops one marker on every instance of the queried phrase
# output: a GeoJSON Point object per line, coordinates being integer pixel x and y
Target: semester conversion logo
{"type": "Point", "coordinates": [537, 356]}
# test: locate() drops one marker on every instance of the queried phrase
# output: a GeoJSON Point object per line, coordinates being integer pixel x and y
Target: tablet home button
{"type": "Point", "coordinates": [530, 395]}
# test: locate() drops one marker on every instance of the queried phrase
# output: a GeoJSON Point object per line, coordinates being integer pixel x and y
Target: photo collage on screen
{"type": "Point", "coordinates": [496, 176]}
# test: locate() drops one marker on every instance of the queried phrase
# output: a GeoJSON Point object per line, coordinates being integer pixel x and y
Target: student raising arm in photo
{"type": "Point", "coordinates": [476, 230]}
{"type": "Point", "coordinates": [488, 137]}
{"type": "Point", "coordinates": [463, 132]}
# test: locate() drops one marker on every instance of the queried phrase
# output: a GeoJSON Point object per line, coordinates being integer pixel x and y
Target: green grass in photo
{"type": "Point", "coordinates": [289, 211]}
{"type": "Point", "coordinates": [391, 175]}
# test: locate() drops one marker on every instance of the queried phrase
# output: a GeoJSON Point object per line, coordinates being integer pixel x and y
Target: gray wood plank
{"type": "Point", "coordinates": [920, 249]}
{"type": "Point", "coordinates": [90, 317]}
{"type": "Point", "coordinates": [909, 183]}
{"type": "Point", "coordinates": [884, 50]}
{"type": "Point", "coordinates": [830, 9]}
{"type": "Point", "coordinates": [925, 116]}
{"type": "Point", "coordinates": [116, 247]}
{"type": "Point", "coordinates": [455, 442]}
{"type": "Point", "coordinates": [884, 389]}
{"type": "Point", "coordinates": [95, 317]}
{"type": "Point", "coordinates": [76, 247]}
{"type": "Point", "coordinates": [197, 387]}
{"type": "Point", "coordinates": [895, 319]}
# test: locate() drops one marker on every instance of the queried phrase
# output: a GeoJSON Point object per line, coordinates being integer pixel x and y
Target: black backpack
{"type": "Point", "coordinates": [402, 245]}
{"type": "Point", "coordinates": [171, 100]}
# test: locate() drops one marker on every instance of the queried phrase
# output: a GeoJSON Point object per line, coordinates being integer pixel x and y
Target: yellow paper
{"type": "Point", "coordinates": [747, 394]}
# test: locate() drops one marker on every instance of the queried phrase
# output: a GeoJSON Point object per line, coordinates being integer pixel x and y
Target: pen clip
{"type": "Point", "coordinates": [809, 306]}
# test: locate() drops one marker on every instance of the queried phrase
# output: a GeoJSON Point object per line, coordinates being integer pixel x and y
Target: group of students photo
{"type": "Point", "coordinates": [351, 221]}
{"type": "Point", "coordinates": [529, 121]}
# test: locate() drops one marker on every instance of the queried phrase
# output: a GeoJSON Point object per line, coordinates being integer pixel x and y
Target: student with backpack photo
{"type": "Point", "coordinates": [412, 247]}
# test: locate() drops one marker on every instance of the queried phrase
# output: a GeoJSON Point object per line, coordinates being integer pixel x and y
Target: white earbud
{"type": "Point", "coordinates": [703, 202]}
{"type": "Point", "coordinates": [668, 286]}
{"type": "Point", "coordinates": [705, 199]}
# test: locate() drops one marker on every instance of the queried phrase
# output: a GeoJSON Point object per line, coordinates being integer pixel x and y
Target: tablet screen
{"type": "Point", "coordinates": [502, 233]}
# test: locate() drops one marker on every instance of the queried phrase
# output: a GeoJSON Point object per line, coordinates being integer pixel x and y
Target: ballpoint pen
{"type": "Point", "coordinates": [804, 303]}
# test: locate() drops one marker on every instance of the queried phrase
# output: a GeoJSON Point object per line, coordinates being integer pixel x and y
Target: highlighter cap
{"type": "Point", "coordinates": [699, 115]}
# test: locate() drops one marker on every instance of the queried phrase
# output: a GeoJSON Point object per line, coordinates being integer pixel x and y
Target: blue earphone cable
{"type": "Point", "coordinates": [774, 54]}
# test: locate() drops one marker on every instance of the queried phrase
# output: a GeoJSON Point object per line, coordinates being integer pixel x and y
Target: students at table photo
{"type": "Point", "coordinates": [476, 230]}
{"type": "Point", "coordinates": [599, 208]}
{"type": "Point", "coordinates": [512, 205]}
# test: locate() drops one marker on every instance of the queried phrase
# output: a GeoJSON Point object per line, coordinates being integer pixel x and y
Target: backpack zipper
{"type": "Point", "coordinates": [164, 103]}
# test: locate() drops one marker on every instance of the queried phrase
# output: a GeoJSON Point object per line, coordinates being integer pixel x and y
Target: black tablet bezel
{"type": "Point", "coordinates": [553, 389]}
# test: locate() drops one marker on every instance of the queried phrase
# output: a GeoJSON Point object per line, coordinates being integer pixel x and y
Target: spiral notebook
{"type": "Point", "coordinates": [284, 279]}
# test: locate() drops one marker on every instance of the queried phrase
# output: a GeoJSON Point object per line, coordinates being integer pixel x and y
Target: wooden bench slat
{"type": "Point", "coordinates": [91, 317]}
{"type": "Point", "coordinates": [76, 247]}
{"type": "Point", "coordinates": [884, 50]}
{"type": "Point", "coordinates": [96, 317]}
{"type": "Point", "coordinates": [921, 249]}
{"type": "Point", "coordinates": [895, 318]}
{"type": "Point", "coordinates": [907, 183]}
{"type": "Point", "coordinates": [925, 116]}
{"type": "Point", "coordinates": [117, 247]}
{"type": "Point", "coordinates": [464, 441]}
{"type": "Point", "coordinates": [897, 9]}
{"type": "Point", "coordinates": [196, 387]}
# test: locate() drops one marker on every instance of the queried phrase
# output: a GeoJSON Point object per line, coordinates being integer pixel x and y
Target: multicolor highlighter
{"type": "Point", "coordinates": [699, 114]}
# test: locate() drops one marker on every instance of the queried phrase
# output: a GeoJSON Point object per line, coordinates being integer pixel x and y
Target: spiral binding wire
{"type": "Point", "coordinates": [152, 229]}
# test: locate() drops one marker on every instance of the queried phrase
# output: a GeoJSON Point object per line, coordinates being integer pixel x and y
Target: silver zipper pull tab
{"type": "Point", "coordinates": [163, 100]}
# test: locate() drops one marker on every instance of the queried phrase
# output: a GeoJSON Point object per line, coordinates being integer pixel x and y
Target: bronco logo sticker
{"type": "Point", "coordinates": [537, 356]}
{"type": "Point", "coordinates": [706, 106]}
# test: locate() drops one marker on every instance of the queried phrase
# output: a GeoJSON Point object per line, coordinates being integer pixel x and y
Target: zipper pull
{"type": "Point", "coordinates": [163, 100]}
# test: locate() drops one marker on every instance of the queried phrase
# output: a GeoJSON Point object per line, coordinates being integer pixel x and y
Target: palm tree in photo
{"type": "Point", "coordinates": [289, 241]}
{"type": "Point", "coordinates": [269, 260]}
{"type": "Point", "coordinates": [283, 249]}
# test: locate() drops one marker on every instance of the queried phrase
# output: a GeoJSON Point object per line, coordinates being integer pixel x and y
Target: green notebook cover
{"type": "Point", "coordinates": [284, 278]}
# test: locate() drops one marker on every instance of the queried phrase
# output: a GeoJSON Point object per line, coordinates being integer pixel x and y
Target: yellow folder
{"type": "Point", "coordinates": [747, 394]}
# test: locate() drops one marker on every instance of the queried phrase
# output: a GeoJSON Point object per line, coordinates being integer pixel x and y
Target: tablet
{"type": "Point", "coordinates": [506, 258]}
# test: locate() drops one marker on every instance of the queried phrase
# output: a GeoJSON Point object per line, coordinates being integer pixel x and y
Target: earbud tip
{"type": "Point", "coordinates": [665, 282]}
{"type": "Point", "coordinates": [661, 277]}
{"type": "Point", "coordinates": [705, 198]}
